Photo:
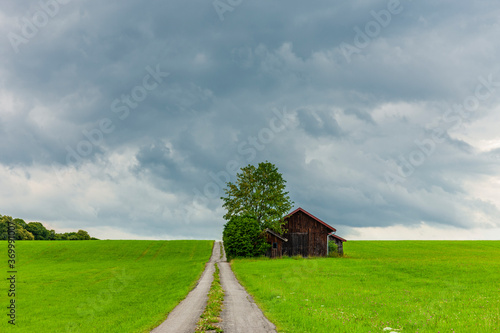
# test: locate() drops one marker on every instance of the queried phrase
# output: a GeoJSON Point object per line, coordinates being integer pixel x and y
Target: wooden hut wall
{"type": "Point", "coordinates": [274, 252]}
{"type": "Point", "coordinates": [306, 236]}
{"type": "Point", "coordinates": [340, 245]}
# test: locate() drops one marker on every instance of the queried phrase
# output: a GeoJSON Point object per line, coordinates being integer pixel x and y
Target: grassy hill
{"type": "Point", "coordinates": [409, 286]}
{"type": "Point", "coordinates": [100, 286]}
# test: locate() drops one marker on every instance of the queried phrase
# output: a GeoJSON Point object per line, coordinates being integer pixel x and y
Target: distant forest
{"type": "Point", "coordinates": [37, 231]}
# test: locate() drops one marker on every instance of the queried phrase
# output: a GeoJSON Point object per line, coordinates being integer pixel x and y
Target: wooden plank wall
{"type": "Point", "coordinates": [274, 253]}
{"type": "Point", "coordinates": [306, 236]}
{"type": "Point", "coordinates": [298, 244]}
{"type": "Point", "coordinates": [340, 246]}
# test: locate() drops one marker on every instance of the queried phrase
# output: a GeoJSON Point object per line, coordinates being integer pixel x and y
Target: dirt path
{"type": "Point", "coordinates": [240, 313]}
{"type": "Point", "coordinates": [184, 317]}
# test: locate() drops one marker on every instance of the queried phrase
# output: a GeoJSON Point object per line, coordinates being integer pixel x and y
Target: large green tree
{"type": "Point", "coordinates": [258, 192]}
{"type": "Point", "coordinates": [83, 235]}
{"type": "Point", "coordinates": [38, 230]}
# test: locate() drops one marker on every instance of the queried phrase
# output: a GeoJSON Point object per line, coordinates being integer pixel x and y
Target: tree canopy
{"type": "Point", "coordinates": [21, 233]}
{"type": "Point", "coordinates": [258, 192]}
{"type": "Point", "coordinates": [38, 230]}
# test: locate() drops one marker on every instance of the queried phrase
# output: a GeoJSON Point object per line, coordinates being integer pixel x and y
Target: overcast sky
{"type": "Point", "coordinates": [125, 118]}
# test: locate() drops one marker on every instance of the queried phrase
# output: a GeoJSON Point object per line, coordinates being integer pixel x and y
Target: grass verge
{"type": "Point", "coordinates": [211, 316]}
{"type": "Point", "coordinates": [101, 286]}
{"type": "Point", "coordinates": [409, 286]}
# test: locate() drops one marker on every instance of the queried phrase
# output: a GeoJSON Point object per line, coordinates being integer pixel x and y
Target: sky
{"type": "Point", "coordinates": [127, 118]}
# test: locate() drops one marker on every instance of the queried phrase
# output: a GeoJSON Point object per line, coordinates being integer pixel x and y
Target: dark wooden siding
{"type": "Point", "coordinates": [298, 244]}
{"type": "Point", "coordinates": [306, 236]}
{"type": "Point", "coordinates": [274, 252]}
{"type": "Point", "coordinates": [340, 246]}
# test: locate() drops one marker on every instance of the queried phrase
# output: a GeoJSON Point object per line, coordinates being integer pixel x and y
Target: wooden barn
{"type": "Point", "coordinates": [304, 235]}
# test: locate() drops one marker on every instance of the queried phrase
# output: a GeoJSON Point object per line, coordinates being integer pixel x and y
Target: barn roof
{"type": "Point", "coordinates": [276, 234]}
{"type": "Point", "coordinates": [311, 215]}
{"type": "Point", "coordinates": [338, 237]}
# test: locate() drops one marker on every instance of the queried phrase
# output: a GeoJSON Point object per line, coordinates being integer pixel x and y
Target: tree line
{"type": "Point", "coordinates": [37, 231]}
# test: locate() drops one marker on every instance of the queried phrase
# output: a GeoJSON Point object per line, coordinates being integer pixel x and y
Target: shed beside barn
{"type": "Point", "coordinates": [339, 241]}
{"type": "Point", "coordinates": [276, 241]}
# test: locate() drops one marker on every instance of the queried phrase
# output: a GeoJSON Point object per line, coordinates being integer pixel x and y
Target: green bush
{"type": "Point", "coordinates": [243, 237]}
{"type": "Point", "coordinates": [333, 250]}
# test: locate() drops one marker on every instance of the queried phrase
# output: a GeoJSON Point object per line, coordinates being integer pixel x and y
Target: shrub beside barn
{"type": "Point", "coordinates": [339, 241]}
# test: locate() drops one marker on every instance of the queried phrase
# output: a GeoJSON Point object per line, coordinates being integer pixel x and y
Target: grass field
{"type": "Point", "coordinates": [409, 286]}
{"type": "Point", "coordinates": [100, 286]}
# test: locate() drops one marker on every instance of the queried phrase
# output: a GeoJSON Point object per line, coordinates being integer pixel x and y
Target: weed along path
{"type": "Point", "coordinates": [184, 317]}
{"type": "Point", "coordinates": [240, 313]}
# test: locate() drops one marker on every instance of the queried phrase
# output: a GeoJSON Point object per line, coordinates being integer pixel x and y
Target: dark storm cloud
{"type": "Point", "coordinates": [159, 97]}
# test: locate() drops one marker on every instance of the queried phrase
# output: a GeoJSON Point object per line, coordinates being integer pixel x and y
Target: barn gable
{"type": "Point", "coordinates": [301, 220]}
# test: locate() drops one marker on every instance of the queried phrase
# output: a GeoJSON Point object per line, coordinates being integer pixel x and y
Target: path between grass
{"type": "Point", "coordinates": [239, 314]}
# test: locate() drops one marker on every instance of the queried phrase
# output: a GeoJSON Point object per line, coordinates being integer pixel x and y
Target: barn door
{"type": "Point", "coordinates": [299, 244]}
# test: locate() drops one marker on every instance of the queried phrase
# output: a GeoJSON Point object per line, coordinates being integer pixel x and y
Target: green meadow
{"type": "Point", "coordinates": [408, 286]}
{"type": "Point", "coordinates": [100, 286]}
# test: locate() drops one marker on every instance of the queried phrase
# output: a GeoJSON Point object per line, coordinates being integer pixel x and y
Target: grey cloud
{"type": "Point", "coordinates": [352, 120]}
{"type": "Point", "coordinates": [360, 114]}
{"type": "Point", "coordinates": [319, 123]}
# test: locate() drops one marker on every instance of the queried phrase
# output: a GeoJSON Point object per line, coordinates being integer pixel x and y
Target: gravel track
{"type": "Point", "coordinates": [240, 314]}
